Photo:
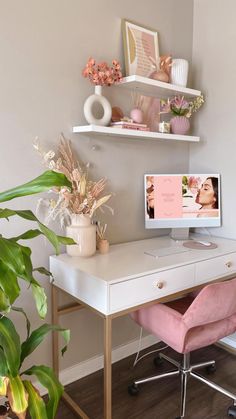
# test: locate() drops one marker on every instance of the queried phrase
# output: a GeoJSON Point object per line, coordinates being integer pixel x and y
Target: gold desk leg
{"type": "Point", "coordinates": [107, 368]}
{"type": "Point", "coordinates": [55, 354]}
{"type": "Point", "coordinates": [55, 341]}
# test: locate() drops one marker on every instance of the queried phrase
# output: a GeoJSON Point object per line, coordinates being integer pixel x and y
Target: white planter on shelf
{"type": "Point", "coordinates": [179, 72]}
{"type": "Point", "coordinates": [103, 102]}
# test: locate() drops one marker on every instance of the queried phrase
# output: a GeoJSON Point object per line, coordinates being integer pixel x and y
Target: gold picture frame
{"type": "Point", "coordinates": [141, 49]}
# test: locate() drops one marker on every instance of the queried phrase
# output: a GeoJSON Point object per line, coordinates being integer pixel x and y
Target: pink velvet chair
{"type": "Point", "coordinates": [188, 324]}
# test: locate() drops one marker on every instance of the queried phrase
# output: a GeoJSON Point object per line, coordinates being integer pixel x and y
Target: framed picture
{"type": "Point", "coordinates": [141, 49]}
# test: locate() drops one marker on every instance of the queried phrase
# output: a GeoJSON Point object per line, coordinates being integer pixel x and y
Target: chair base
{"type": "Point", "coordinates": [185, 370]}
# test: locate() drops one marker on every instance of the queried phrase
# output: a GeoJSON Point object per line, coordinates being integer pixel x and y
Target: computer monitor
{"type": "Point", "coordinates": [182, 201]}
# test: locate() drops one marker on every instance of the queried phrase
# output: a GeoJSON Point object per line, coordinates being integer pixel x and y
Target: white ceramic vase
{"type": "Point", "coordinates": [84, 234]}
{"type": "Point", "coordinates": [97, 98]}
{"type": "Point", "coordinates": [179, 72]}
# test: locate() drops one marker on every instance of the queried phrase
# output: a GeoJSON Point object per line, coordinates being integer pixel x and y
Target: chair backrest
{"type": "Point", "coordinates": [213, 303]}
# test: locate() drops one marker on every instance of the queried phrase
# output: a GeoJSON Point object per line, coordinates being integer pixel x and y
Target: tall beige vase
{"type": "Point", "coordinates": [84, 234]}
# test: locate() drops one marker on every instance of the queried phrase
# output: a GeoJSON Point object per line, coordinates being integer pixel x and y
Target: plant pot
{"type": "Point", "coordinates": [103, 246]}
{"type": "Point", "coordinates": [89, 104]}
{"type": "Point", "coordinates": [179, 72]}
{"type": "Point", "coordinates": [84, 234]}
{"type": "Point", "coordinates": [179, 125]}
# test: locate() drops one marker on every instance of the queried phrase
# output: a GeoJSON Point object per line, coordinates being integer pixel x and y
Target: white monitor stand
{"type": "Point", "coordinates": [180, 233]}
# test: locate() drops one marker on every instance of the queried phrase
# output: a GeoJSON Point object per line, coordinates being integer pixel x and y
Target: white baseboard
{"type": "Point", "coordinates": [94, 364]}
{"type": "Point", "coordinates": [82, 369]}
{"type": "Point", "coordinates": [229, 341]}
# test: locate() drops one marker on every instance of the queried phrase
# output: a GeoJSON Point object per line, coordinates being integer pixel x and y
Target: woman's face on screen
{"type": "Point", "coordinates": [206, 195]}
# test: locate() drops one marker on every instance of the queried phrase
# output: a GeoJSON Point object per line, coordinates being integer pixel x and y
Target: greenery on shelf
{"type": "Point", "coordinates": [15, 265]}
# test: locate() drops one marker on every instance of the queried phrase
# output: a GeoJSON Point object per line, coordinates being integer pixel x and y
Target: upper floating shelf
{"type": "Point", "coordinates": [96, 130]}
{"type": "Point", "coordinates": [150, 87]}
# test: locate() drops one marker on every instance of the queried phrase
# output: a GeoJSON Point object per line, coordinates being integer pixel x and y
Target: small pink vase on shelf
{"type": "Point", "coordinates": [179, 125]}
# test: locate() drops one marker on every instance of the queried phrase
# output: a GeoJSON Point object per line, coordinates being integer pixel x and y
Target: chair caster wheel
{"type": "Point", "coordinates": [133, 389]}
{"type": "Point", "coordinates": [157, 361]}
{"type": "Point", "coordinates": [210, 369]}
{"type": "Point", "coordinates": [232, 411]}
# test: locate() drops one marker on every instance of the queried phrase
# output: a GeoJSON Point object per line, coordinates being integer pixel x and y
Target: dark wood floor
{"type": "Point", "coordinates": [156, 400]}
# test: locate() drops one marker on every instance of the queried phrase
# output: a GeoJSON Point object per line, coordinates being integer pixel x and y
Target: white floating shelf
{"type": "Point", "coordinates": [150, 87]}
{"type": "Point", "coordinates": [95, 130]}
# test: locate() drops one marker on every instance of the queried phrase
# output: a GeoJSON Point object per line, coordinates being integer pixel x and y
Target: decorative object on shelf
{"type": "Point", "coordinates": [136, 114]}
{"type": "Point", "coordinates": [100, 75]}
{"type": "Point", "coordinates": [182, 111]}
{"type": "Point", "coordinates": [130, 125]}
{"type": "Point", "coordinates": [117, 114]}
{"type": "Point", "coordinates": [164, 127]}
{"type": "Point", "coordinates": [74, 207]}
{"type": "Point", "coordinates": [180, 125]}
{"type": "Point", "coordinates": [83, 232]}
{"type": "Point", "coordinates": [163, 74]}
{"type": "Point", "coordinates": [98, 99]}
{"type": "Point", "coordinates": [102, 243]}
{"type": "Point", "coordinates": [141, 49]}
{"type": "Point", "coordinates": [151, 110]}
{"type": "Point", "coordinates": [179, 72]}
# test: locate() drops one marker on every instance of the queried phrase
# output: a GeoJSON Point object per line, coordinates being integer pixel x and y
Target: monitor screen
{"type": "Point", "coordinates": [189, 200]}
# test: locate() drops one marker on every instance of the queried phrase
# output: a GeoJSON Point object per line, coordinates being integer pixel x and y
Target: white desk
{"type": "Point", "coordinates": [126, 278]}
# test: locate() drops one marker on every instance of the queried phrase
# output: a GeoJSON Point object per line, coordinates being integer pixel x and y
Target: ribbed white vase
{"type": "Point", "coordinates": [103, 102]}
{"type": "Point", "coordinates": [179, 72]}
{"type": "Point", "coordinates": [84, 234]}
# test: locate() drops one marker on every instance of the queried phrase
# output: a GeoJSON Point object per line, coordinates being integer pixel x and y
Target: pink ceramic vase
{"type": "Point", "coordinates": [179, 125]}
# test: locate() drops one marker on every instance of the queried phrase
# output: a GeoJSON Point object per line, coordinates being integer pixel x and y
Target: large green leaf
{"type": "Point", "coordinates": [30, 234]}
{"type": "Point", "coordinates": [3, 385]}
{"type": "Point", "coordinates": [37, 337]}
{"type": "Point", "coordinates": [8, 282]}
{"type": "Point", "coordinates": [37, 406]}
{"type": "Point", "coordinates": [17, 396]}
{"type": "Point", "coordinates": [40, 299]}
{"type": "Point", "coordinates": [4, 302]}
{"type": "Point", "coordinates": [40, 184]}
{"type": "Point", "coordinates": [10, 343]}
{"type": "Point", "coordinates": [3, 364]}
{"type": "Point", "coordinates": [28, 215]}
{"type": "Point", "coordinates": [20, 310]}
{"type": "Point", "coordinates": [48, 379]}
{"type": "Point", "coordinates": [11, 255]}
{"type": "Point", "coordinates": [42, 271]}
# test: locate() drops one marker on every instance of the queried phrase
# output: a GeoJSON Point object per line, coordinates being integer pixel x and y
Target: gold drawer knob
{"type": "Point", "coordinates": [160, 285]}
{"type": "Point", "coordinates": [228, 264]}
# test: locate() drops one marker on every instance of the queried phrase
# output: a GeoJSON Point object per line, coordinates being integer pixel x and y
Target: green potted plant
{"type": "Point", "coordinates": [16, 265]}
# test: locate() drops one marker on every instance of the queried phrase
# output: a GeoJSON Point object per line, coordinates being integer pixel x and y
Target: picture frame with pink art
{"type": "Point", "coordinates": [141, 49]}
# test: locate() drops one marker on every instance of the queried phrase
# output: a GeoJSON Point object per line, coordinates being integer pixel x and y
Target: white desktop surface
{"type": "Point", "coordinates": [99, 274]}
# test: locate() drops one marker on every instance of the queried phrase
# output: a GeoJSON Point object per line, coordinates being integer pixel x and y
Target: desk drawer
{"type": "Point", "coordinates": [213, 268]}
{"type": "Point", "coordinates": [150, 287]}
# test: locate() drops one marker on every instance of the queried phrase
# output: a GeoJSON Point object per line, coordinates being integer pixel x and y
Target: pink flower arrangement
{"type": "Point", "coordinates": [101, 74]}
{"type": "Point", "coordinates": [180, 106]}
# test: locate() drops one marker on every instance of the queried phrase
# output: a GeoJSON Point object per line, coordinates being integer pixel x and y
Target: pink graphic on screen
{"type": "Point", "coordinates": [182, 196]}
{"type": "Point", "coordinates": [168, 197]}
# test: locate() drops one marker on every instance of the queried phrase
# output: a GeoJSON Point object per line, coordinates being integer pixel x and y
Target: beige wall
{"type": "Point", "coordinates": [44, 46]}
{"type": "Point", "coordinates": [214, 63]}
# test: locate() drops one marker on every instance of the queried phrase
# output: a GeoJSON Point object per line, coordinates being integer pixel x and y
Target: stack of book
{"type": "Point", "coordinates": [130, 125]}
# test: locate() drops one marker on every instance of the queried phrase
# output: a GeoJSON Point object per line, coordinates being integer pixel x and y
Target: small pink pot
{"type": "Point", "coordinates": [179, 125]}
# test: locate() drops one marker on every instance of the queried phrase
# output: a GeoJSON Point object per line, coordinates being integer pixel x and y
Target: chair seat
{"type": "Point", "coordinates": [167, 322]}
